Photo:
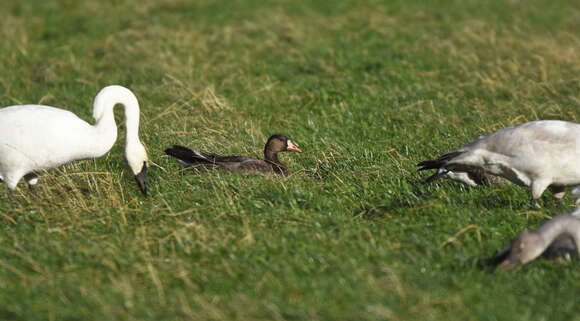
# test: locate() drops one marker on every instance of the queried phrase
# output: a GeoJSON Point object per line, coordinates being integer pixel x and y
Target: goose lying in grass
{"type": "Point", "coordinates": [538, 155]}
{"type": "Point", "coordinates": [560, 235]}
{"type": "Point", "coordinates": [35, 137]}
{"type": "Point", "coordinates": [271, 164]}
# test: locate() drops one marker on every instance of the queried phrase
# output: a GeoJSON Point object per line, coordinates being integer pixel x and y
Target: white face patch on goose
{"type": "Point", "coordinates": [291, 147]}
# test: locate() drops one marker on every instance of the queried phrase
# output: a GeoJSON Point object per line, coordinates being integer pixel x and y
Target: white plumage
{"type": "Point", "coordinates": [35, 137]}
{"type": "Point", "coordinates": [538, 155]}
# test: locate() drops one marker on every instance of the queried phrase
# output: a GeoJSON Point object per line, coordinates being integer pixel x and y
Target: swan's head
{"type": "Point", "coordinates": [526, 247]}
{"type": "Point", "coordinates": [137, 160]}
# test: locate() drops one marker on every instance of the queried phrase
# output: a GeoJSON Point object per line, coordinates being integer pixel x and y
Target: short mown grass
{"type": "Point", "coordinates": [366, 88]}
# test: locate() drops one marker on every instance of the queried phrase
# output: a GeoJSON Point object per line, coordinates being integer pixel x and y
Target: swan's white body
{"type": "Point", "coordinates": [538, 154]}
{"type": "Point", "coordinates": [36, 137]}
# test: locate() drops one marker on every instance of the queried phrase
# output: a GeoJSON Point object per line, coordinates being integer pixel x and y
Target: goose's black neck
{"type": "Point", "coordinates": [272, 158]}
{"type": "Point", "coordinates": [271, 155]}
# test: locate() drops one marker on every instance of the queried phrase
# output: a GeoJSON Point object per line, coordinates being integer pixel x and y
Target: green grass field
{"type": "Point", "coordinates": [366, 88]}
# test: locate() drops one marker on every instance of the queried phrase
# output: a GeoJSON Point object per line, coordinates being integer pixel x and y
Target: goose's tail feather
{"type": "Point", "coordinates": [188, 156]}
{"type": "Point", "coordinates": [437, 163]}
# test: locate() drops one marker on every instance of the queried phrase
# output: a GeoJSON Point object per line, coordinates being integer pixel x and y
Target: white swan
{"type": "Point", "coordinates": [36, 137]}
{"type": "Point", "coordinates": [560, 235]}
{"type": "Point", "coordinates": [538, 154]}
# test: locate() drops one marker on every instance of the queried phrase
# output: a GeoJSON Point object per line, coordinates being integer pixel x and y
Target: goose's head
{"type": "Point", "coordinates": [280, 143]}
{"type": "Point", "coordinates": [137, 159]}
{"type": "Point", "coordinates": [526, 247]}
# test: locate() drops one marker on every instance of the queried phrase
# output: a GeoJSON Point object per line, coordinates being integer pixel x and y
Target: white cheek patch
{"type": "Point", "coordinates": [291, 147]}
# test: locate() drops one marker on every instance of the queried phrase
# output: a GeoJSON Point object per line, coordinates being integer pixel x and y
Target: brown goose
{"type": "Point", "coordinates": [560, 235]}
{"type": "Point", "coordinates": [271, 164]}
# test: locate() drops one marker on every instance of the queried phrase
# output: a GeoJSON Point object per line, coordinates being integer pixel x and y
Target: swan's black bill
{"type": "Point", "coordinates": [141, 179]}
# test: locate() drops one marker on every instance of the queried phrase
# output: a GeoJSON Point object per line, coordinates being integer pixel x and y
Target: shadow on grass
{"type": "Point", "coordinates": [8, 315]}
{"type": "Point", "coordinates": [419, 194]}
{"type": "Point", "coordinates": [405, 201]}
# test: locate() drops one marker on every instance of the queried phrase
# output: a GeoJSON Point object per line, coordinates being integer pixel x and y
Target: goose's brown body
{"type": "Point", "coordinates": [270, 164]}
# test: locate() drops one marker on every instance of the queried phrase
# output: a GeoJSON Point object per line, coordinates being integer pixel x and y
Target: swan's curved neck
{"type": "Point", "coordinates": [106, 127]}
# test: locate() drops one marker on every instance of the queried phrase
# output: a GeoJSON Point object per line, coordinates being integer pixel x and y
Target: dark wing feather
{"type": "Point", "coordinates": [189, 156]}
{"type": "Point", "coordinates": [439, 162]}
{"type": "Point", "coordinates": [232, 159]}
{"type": "Point", "coordinates": [230, 163]}
{"type": "Point", "coordinates": [257, 165]}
